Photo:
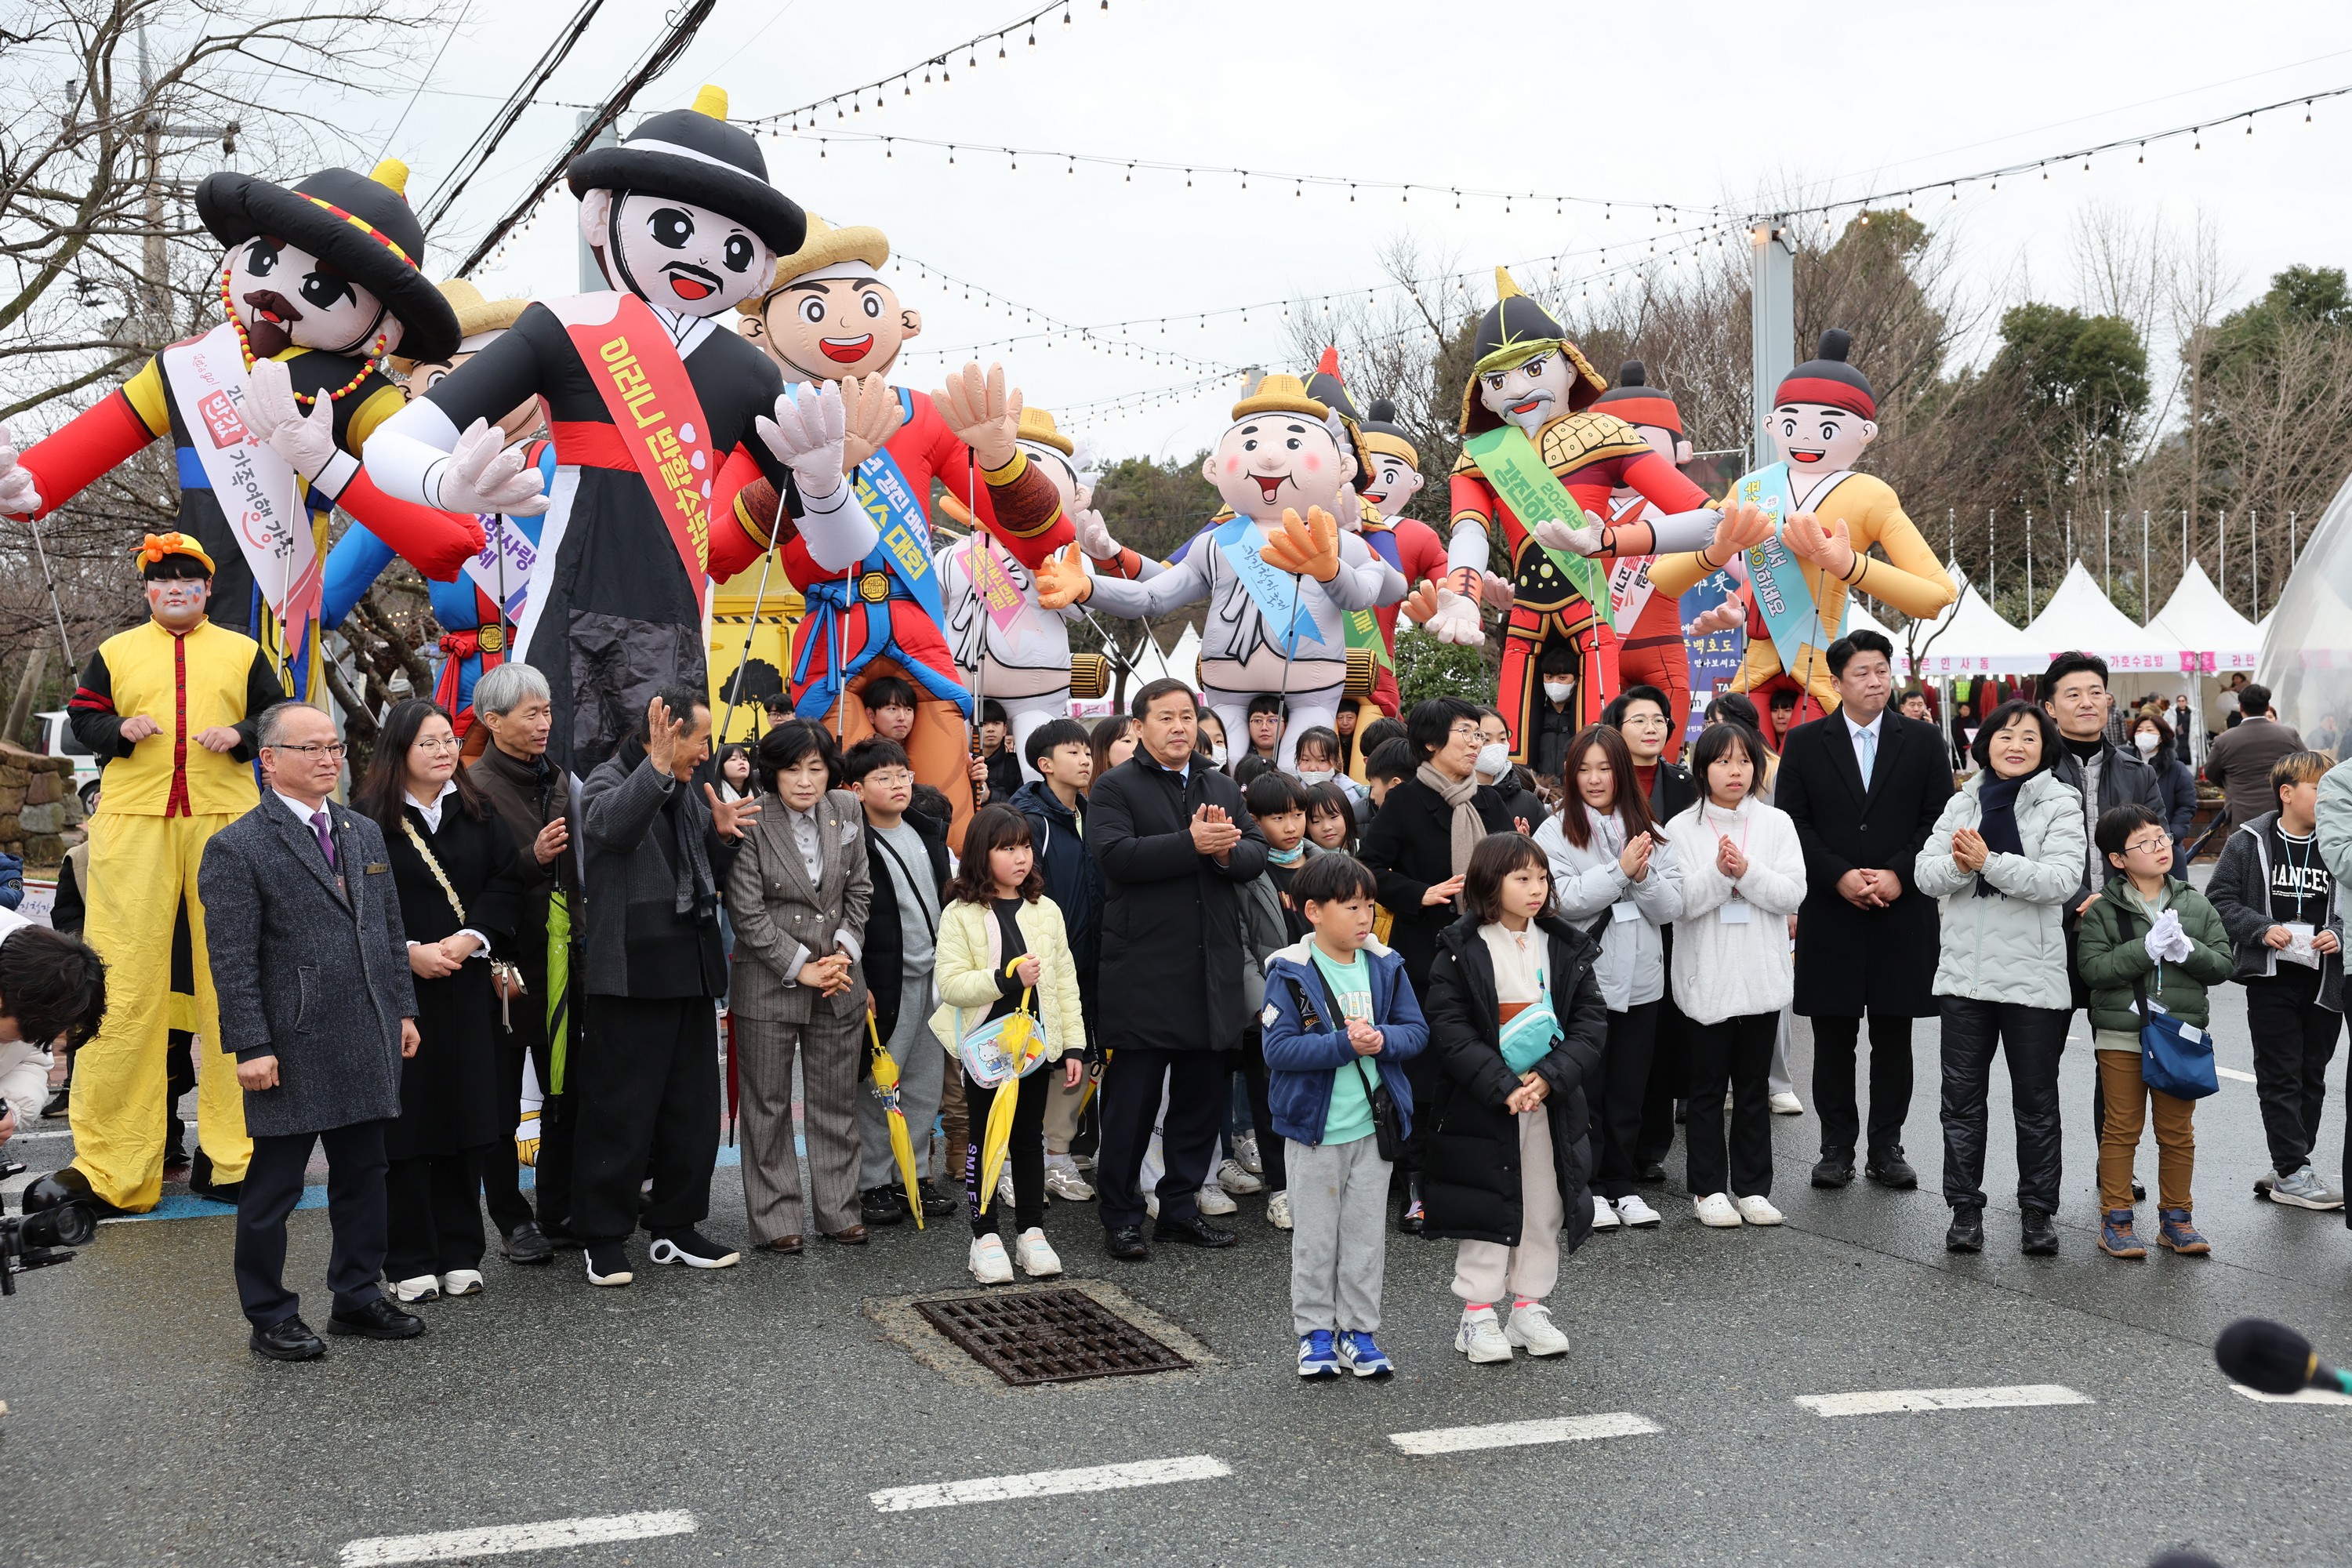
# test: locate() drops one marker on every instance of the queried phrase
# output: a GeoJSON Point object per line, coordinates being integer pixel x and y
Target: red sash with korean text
{"type": "Point", "coordinates": [638, 371]}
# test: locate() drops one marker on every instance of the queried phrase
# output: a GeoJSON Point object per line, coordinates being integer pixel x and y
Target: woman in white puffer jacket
{"type": "Point", "coordinates": [2005, 857]}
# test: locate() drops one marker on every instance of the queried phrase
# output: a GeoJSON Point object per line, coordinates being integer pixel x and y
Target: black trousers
{"type": "Point", "coordinates": [1250, 1062]}
{"type": "Point", "coordinates": [1026, 1154]}
{"type": "Point", "coordinates": [1836, 1042]}
{"type": "Point", "coordinates": [434, 1221]}
{"type": "Point", "coordinates": [1737, 1051]}
{"type": "Point", "coordinates": [644, 1074]}
{"type": "Point", "coordinates": [1618, 1101]}
{"type": "Point", "coordinates": [179, 1077]}
{"type": "Point", "coordinates": [552, 1177]}
{"type": "Point", "coordinates": [355, 1214]}
{"type": "Point", "coordinates": [2294, 1039]}
{"type": "Point", "coordinates": [1198, 1084]}
{"type": "Point", "coordinates": [1669, 1077]}
{"type": "Point", "coordinates": [2033, 1038]}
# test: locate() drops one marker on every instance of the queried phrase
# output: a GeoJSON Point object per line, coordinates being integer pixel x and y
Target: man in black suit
{"type": "Point", "coordinates": [1865, 786]}
{"type": "Point", "coordinates": [311, 963]}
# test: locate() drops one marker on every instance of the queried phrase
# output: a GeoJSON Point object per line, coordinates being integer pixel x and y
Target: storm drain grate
{"type": "Point", "coordinates": [1048, 1336]}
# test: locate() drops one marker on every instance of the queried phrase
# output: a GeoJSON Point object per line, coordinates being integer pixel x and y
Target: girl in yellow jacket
{"type": "Point", "coordinates": [1001, 940]}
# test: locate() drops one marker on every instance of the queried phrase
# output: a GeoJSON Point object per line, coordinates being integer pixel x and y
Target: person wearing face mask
{"type": "Point", "coordinates": [1213, 749]}
{"type": "Point", "coordinates": [2153, 742]}
{"type": "Point", "coordinates": [1556, 719]}
{"type": "Point", "coordinates": [1513, 782]}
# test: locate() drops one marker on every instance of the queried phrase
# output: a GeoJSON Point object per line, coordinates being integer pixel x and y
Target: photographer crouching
{"type": "Point", "coordinates": [52, 992]}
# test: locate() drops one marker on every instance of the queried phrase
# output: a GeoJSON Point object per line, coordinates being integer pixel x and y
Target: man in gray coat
{"type": "Point", "coordinates": [311, 964]}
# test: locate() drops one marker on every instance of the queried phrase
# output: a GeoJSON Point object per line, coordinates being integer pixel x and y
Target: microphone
{"type": "Point", "coordinates": [2270, 1358]}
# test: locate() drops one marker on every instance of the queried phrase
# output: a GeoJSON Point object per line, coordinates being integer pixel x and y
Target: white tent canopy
{"type": "Point", "coordinates": [2201, 623]}
{"type": "Point", "coordinates": [1971, 639]}
{"type": "Point", "coordinates": [2078, 616]}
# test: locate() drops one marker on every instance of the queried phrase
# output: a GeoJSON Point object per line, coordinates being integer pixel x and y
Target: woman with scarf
{"type": "Point", "coordinates": [2005, 856]}
{"type": "Point", "coordinates": [1419, 846]}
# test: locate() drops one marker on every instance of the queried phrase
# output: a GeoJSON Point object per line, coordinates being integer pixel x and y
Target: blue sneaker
{"type": "Point", "coordinates": [1316, 1358]}
{"type": "Point", "coordinates": [1359, 1353]}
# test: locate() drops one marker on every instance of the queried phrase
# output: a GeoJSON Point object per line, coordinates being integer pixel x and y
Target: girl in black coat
{"type": "Point", "coordinates": [461, 894]}
{"type": "Point", "coordinates": [1509, 1152]}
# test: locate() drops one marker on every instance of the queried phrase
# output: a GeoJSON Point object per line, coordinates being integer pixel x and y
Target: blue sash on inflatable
{"type": "Point", "coordinates": [1782, 595]}
{"type": "Point", "coordinates": [1281, 598]}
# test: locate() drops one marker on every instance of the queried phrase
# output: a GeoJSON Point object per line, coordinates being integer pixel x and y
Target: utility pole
{"type": "Point", "coordinates": [156, 256]}
{"type": "Point", "coordinates": [1772, 327]}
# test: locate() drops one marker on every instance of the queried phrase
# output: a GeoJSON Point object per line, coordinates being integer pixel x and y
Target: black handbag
{"type": "Point", "coordinates": [1388, 1131]}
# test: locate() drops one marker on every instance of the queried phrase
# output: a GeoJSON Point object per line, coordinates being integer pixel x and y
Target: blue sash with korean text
{"type": "Point", "coordinates": [1782, 595]}
{"type": "Point", "coordinates": [1279, 597]}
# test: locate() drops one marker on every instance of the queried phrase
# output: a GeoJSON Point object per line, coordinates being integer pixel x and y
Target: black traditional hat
{"type": "Point", "coordinates": [1381, 432]}
{"type": "Point", "coordinates": [695, 156]}
{"type": "Point", "coordinates": [360, 223]}
{"type": "Point", "coordinates": [1827, 378]}
{"type": "Point", "coordinates": [1636, 402]}
{"type": "Point", "coordinates": [1515, 330]}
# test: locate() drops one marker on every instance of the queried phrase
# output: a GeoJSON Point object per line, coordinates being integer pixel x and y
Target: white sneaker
{"type": "Point", "coordinates": [1213, 1200]}
{"type": "Point", "coordinates": [988, 1263]}
{"type": "Point", "coordinates": [1480, 1337]}
{"type": "Point", "coordinates": [1083, 1162]}
{"type": "Point", "coordinates": [1246, 1151]}
{"type": "Point", "coordinates": [1036, 1258]}
{"type": "Point", "coordinates": [1786, 1103]}
{"type": "Point", "coordinates": [1005, 1186]}
{"type": "Point", "coordinates": [1604, 1217]}
{"type": "Point", "coordinates": [462, 1282]}
{"type": "Point", "coordinates": [1533, 1331]}
{"type": "Point", "coordinates": [1714, 1209]}
{"type": "Point", "coordinates": [423, 1287]}
{"type": "Point", "coordinates": [1235, 1177]}
{"type": "Point", "coordinates": [1637, 1214]}
{"type": "Point", "coordinates": [1065, 1182]}
{"type": "Point", "coordinates": [1758, 1211]}
{"type": "Point", "coordinates": [1277, 1211]}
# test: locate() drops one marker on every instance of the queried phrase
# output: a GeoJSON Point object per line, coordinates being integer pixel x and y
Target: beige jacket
{"type": "Point", "coordinates": [970, 957]}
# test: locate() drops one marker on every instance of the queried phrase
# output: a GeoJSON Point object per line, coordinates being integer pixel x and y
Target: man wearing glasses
{"type": "Point", "coordinates": [170, 705]}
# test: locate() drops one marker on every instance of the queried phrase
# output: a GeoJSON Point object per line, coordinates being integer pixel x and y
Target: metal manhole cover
{"type": "Point", "coordinates": [1048, 1336]}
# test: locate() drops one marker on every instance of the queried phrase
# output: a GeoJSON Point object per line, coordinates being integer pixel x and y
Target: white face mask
{"type": "Point", "coordinates": [1560, 691]}
{"type": "Point", "coordinates": [2147, 740]}
{"type": "Point", "coordinates": [1494, 759]}
{"type": "Point", "coordinates": [1315, 775]}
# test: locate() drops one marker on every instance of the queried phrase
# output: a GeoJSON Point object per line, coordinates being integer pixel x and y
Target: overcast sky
{"type": "Point", "coordinates": [1699, 104]}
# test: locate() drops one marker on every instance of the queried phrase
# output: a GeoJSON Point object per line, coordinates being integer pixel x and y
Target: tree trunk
{"type": "Point", "coordinates": [20, 710]}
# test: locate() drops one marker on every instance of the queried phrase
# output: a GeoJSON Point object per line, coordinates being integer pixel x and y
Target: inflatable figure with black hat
{"type": "Point", "coordinates": [479, 612]}
{"type": "Point", "coordinates": [1807, 525]}
{"type": "Point", "coordinates": [828, 317]}
{"type": "Point", "coordinates": [659, 417]}
{"type": "Point", "coordinates": [269, 410]}
{"type": "Point", "coordinates": [1538, 455]}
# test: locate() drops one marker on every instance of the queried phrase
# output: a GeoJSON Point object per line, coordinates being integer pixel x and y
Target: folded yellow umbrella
{"type": "Point", "coordinates": [1023, 1046]}
{"type": "Point", "coordinates": [902, 1145]}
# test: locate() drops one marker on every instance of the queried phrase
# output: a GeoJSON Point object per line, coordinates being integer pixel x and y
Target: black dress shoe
{"type": "Point", "coordinates": [201, 1182]}
{"type": "Point", "coordinates": [881, 1205]}
{"type": "Point", "coordinates": [379, 1319]}
{"type": "Point", "coordinates": [2041, 1235]}
{"type": "Point", "coordinates": [937, 1205]}
{"type": "Point", "coordinates": [1193, 1231]}
{"type": "Point", "coordinates": [1967, 1234]}
{"type": "Point", "coordinates": [1125, 1244]}
{"type": "Point", "coordinates": [65, 1185]}
{"type": "Point", "coordinates": [1835, 1168]}
{"type": "Point", "coordinates": [1891, 1169]}
{"type": "Point", "coordinates": [526, 1244]}
{"type": "Point", "coordinates": [559, 1236]}
{"type": "Point", "coordinates": [1652, 1173]}
{"type": "Point", "coordinates": [289, 1338]}
{"type": "Point", "coordinates": [59, 1105]}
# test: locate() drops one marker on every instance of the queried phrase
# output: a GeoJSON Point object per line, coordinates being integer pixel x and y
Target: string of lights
{"type": "Point", "coordinates": [1055, 329]}
{"type": "Point", "coordinates": [904, 81]}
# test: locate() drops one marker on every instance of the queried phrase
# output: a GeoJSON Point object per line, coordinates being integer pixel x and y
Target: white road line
{"type": "Point", "coordinates": [1522, 1434]}
{"type": "Point", "coordinates": [1051, 1483]}
{"type": "Point", "coordinates": [1885, 1401]}
{"type": "Point", "coordinates": [2300, 1396]}
{"type": "Point", "coordinates": [2234, 1072]}
{"type": "Point", "coordinates": [499, 1539]}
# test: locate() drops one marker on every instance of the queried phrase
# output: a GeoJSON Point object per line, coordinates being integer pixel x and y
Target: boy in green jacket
{"type": "Point", "coordinates": [2145, 928]}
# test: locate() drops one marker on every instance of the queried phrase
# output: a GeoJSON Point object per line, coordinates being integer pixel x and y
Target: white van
{"type": "Point", "coordinates": [58, 739]}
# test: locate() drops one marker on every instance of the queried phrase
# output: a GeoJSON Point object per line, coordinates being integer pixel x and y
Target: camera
{"type": "Point", "coordinates": [41, 1240]}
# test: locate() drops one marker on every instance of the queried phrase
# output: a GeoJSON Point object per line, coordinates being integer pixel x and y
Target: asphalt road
{"type": "Point", "coordinates": [750, 1417]}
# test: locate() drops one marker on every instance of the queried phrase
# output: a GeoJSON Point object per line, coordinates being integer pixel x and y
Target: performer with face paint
{"type": "Point", "coordinates": [660, 419]}
{"type": "Point", "coordinates": [1279, 575]}
{"type": "Point", "coordinates": [169, 708]}
{"type": "Point", "coordinates": [477, 613]}
{"type": "Point", "coordinates": [1807, 525]}
{"type": "Point", "coordinates": [876, 605]}
{"type": "Point", "coordinates": [268, 410]}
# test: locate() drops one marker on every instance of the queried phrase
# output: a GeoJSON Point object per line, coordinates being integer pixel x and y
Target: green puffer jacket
{"type": "Point", "coordinates": [2008, 945]}
{"type": "Point", "coordinates": [2113, 952]}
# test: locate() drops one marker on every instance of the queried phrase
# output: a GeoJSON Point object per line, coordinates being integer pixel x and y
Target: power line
{"type": "Point", "coordinates": [470, 162]}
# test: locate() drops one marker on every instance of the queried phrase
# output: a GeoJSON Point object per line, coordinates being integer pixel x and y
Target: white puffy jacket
{"type": "Point", "coordinates": [1588, 883]}
{"type": "Point", "coordinates": [2009, 946]}
{"type": "Point", "coordinates": [1735, 970]}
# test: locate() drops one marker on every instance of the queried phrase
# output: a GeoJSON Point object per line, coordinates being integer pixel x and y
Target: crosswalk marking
{"type": "Point", "coordinates": [441, 1546]}
{"type": "Point", "coordinates": [1522, 1434]}
{"type": "Point", "coordinates": [2300, 1396]}
{"type": "Point", "coordinates": [1051, 1483]}
{"type": "Point", "coordinates": [1883, 1402]}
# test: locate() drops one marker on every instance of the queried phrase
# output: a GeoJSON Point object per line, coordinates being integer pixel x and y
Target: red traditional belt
{"type": "Point", "coordinates": [591, 444]}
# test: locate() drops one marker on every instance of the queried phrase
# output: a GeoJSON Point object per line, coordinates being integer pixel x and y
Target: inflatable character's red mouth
{"type": "Point", "coordinates": [1529, 406]}
{"type": "Point", "coordinates": [1797, 455]}
{"type": "Point", "coordinates": [1270, 488]}
{"type": "Point", "coordinates": [691, 288]}
{"type": "Point", "coordinates": [846, 350]}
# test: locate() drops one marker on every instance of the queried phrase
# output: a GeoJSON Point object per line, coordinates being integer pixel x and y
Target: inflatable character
{"type": "Point", "coordinates": [170, 706]}
{"type": "Point", "coordinates": [1279, 575]}
{"type": "Point", "coordinates": [1807, 525]}
{"type": "Point", "coordinates": [660, 418]}
{"type": "Point", "coordinates": [477, 612]}
{"type": "Point", "coordinates": [1650, 648]}
{"type": "Point", "coordinates": [269, 411]}
{"type": "Point", "coordinates": [1392, 476]}
{"type": "Point", "coordinates": [1538, 455]}
{"type": "Point", "coordinates": [874, 602]}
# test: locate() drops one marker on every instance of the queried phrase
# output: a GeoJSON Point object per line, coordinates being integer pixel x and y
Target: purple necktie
{"type": "Point", "coordinates": [326, 836]}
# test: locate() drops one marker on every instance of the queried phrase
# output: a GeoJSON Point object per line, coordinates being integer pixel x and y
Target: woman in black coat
{"type": "Point", "coordinates": [461, 893]}
{"type": "Point", "coordinates": [1476, 1184]}
{"type": "Point", "coordinates": [2175, 785]}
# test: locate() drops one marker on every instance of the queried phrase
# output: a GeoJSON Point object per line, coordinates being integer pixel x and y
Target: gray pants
{"type": "Point", "coordinates": [922, 1064]}
{"type": "Point", "coordinates": [829, 1049]}
{"type": "Point", "coordinates": [1339, 1240]}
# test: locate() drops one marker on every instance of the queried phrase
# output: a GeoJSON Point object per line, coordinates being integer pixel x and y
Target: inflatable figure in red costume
{"type": "Point", "coordinates": [1650, 647]}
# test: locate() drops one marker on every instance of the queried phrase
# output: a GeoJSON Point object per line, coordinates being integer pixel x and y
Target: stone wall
{"type": "Point", "coordinates": [40, 815]}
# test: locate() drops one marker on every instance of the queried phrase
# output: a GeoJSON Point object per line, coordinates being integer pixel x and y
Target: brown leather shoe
{"type": "Point", "coordinates": [787, 1244]}
{"type": "Point", "coordinates": [854, 1236]}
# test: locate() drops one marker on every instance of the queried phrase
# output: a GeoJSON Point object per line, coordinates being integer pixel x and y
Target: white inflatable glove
{"type": "Point", "coordinates": [1582, 540]}
{"type": "Point", "coordinates": [18, 496]}
{"type": "Point", "coordinates": [484, 474]}
{"type": "Point", "coordinates": [307, 441]}
{"type": "Point", "coordinates": [1495, 593]}
{"type": "Point", "coordinates": [806, 436]}
{"type": "Point", "coordinates": [1456, 620]}
{"type": "Point", "coordinates": [1093, 535]}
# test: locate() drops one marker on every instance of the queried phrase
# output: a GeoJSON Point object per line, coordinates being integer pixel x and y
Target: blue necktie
{"type": "Point", "coordinates": [1868, 755]}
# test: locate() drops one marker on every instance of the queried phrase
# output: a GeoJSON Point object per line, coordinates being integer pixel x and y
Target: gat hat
{"type": "Point", "coordinates": [158, 548]}
{"type": "Point", "coordinates": [1827, 378]}
{"type": "Point", "coordinates": [1282, 395]}
{"type": "Point", "coordinates": [478, 319]}
{"type": "Point", "coordinates": [823, 247]}
{"type": "Point", "coordinates": [1514, 331]}
{"type": "Point", "coordinates": [361, 222]}
{"type": "Point", "coordinates": [1037, 426]}
{"type": "Point", "coordinates": [1383, 434]}
{"type": "Point", "coordinates": [1327, 386]}
{"type": "Point", "coordinates": [1634, 401]}
{"type": "Point", "coordinates": [695, 155]}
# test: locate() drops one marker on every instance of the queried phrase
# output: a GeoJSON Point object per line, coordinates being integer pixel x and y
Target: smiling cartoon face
{"type": "Point", "coordinates": [1818, 439]}
{"type": "Point", "coordinates": [1528, 395]}
{"type": "Point", "coordinates": [1270, 461]}
{"type": "Point", "coordinates": [288, 298]}
{"type": "Point", "coordinates": [822, 327]}
{"type": "Point", "coordinates": [1393, 484]}
{"type": "Point", "coordinates": [684, 259]}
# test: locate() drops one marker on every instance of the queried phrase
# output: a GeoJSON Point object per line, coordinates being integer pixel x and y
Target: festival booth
{"type": "Point", "coordinates": [2214, 639]}
{"type": "Point", "coordinates": [2079, 618]}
